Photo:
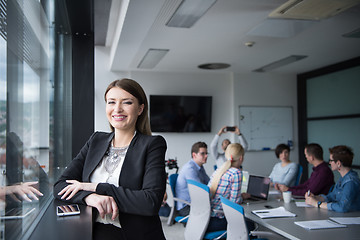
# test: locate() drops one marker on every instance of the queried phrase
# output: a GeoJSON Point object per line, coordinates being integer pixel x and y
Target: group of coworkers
{"type": "Point", "coordinates": [121, 173]}
{"type": "Point", "coordinates": [319, 190]}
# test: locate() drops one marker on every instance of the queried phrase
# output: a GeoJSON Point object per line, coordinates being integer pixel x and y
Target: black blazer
{"type": "Point", "coordinates": [142, 181]}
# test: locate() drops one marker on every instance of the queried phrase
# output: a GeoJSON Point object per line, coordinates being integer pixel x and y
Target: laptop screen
{"type": "Point", "coordinates": [258, 186]}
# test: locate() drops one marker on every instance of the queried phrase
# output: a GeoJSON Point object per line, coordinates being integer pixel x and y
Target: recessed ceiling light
{"type": "Point", "coordinates": [189, 12]}
{"type": "Point", "coordinates": [214, 66]}
{"type": "Point", "coordinates": [280, 63]}
{"type": "Point", "coordinates": [152, 58]}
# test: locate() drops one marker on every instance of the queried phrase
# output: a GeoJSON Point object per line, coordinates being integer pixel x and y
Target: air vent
{"type": "Point", "coordinates": [312, 9]}
{"type": "Point", "coordinates": [214, 66]}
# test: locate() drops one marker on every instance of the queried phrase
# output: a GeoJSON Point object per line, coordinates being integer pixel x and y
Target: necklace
{"type": "Point", "coordinates": [113, 157]}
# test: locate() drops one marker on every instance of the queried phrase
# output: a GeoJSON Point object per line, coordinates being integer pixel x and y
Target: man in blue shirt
{"type": "Point", "coordinates": [193, 170]}
{"type": "Point", "coordinates": [345, 196]}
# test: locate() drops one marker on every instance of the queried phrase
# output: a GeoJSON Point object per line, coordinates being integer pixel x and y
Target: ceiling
{"type": "Point", "coordinates": [131, 28]}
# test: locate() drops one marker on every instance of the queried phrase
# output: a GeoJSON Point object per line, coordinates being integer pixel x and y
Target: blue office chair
{"type": "Point", "coordinates": [172, 216]}
{"type": "Point", "coordinates": [299, 175]}
{"type": "Point", "coordinates": [236, 225]}
{"type": "Point", "coordinates": [199, 216]}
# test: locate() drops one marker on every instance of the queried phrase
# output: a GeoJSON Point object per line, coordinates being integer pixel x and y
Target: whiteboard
{"type": "Point", "coordinates": [266, 127]}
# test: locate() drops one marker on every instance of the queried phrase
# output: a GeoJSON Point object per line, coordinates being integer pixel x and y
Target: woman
{"type": "Point", "coordinates": [226, 182]}
{"type": "Point", "coordinates": [285, 171]}
{"type": "Point", "coordinates": [122, 173]}
{"type": "Point", "coordinates": [345, 196]}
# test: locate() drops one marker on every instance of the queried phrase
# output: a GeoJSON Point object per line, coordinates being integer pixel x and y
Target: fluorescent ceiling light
{"type": "Point", "coordinates": [152, 58]}
{"type": "Point", "coordinates": [280, 63]}
{"type": "Point", "coordinates": [189, 11]}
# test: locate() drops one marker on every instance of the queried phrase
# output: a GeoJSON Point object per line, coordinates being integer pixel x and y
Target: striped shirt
{"type": "Point", "coordinates": [229, 187]}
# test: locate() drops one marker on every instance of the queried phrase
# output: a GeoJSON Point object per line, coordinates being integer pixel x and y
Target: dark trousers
{"type": "Point", "coordinates": [107, 231]}
{"type": "Point", "coordinates": [184, 211]}
{"type": "Point", "coordinates": [218, 224]}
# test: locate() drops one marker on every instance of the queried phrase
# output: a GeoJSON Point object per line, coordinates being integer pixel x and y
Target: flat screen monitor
{"type": "Point", "coordinates": [180, 113]}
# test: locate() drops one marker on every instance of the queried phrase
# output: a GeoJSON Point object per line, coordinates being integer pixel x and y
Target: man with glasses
{"type": "Point", "coordinates": [321, 179]}
{"type": "Point", "coordinates": [346, 194]}
{"type": "Point", "coordinates": [193, 170]}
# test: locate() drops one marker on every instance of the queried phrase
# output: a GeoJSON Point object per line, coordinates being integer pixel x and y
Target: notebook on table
{"type": "Point", "coordinates": [258, 188]}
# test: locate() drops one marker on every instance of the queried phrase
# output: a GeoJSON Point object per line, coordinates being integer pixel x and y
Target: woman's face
{"type": "Point", "coordinates": [122, 109]}
{"type": "Point", "coordinates": [284, 155]}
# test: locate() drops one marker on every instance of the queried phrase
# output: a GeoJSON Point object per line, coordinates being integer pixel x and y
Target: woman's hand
{"type": "Point", "coordinates": [245, 195]}
{"type": "Point", "coordinates": [75, 186]}
{"type": "Point", "coordinates": [24, 191]}
{"type": "Point", "coordinates": [104, 204]}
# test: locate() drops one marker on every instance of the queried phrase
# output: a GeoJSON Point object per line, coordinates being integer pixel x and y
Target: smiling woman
{"type": "Point", "coordinates": [121, 173]}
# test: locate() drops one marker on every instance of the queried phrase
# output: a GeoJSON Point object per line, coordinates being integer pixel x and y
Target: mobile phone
{"type": "Point", "coordinates": [230, 129]}
{"type": "Point", "coordinates": [67, 210]}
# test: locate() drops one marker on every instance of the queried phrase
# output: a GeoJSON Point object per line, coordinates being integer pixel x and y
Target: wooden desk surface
{"type": "Point", "coordinates": [287, 228]}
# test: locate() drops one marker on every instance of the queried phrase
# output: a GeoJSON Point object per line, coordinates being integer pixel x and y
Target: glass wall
{"type": "Point", "coordinates": [35, 110]}
{"type": "Point", "coordinates": [331, 110]}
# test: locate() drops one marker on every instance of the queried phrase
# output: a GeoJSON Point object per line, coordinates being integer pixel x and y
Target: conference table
{"type": "Point", "coordinates": [287, 228]}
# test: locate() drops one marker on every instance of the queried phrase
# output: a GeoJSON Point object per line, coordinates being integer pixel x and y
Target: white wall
{"type": "Point", "coordinates": [228, 93]}
{"type": "Point", "coordinates": [266, 89]}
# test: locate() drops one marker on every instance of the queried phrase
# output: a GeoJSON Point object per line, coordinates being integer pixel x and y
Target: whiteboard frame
{"type": "Point", "coordinates": [264, 143]}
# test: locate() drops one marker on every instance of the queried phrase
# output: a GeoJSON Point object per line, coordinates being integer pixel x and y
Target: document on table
{"type": "Point", "coordinates": [302, 204]}
{"type": "Point", "coordinates": [346, 220]}
{"type": "Point", "coordinates": [319, 224]}
{"type": "Point", "coordinates": [273, 213]}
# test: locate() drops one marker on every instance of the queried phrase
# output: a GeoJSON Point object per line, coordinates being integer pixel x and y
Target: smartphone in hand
{"type": "Point", "coordinates": [67, 210]}
{"type": "Point", "coordinates": [230, 129]}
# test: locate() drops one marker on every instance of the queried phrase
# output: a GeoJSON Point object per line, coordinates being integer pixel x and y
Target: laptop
{"type": "Point", "coordinates": [258, 188]}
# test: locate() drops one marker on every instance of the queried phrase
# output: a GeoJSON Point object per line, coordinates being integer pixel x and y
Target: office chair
{"type": "Point", "coordinates": [199, 216]}
{"type": "Point", "coordinates": [299, 175]}
{"type": "Point", "coordinates": [172, 218]}
{"type": "Point", "coordinates": [236, 225]}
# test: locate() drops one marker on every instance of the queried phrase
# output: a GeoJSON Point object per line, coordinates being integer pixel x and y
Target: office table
{"type": "Point", "coordinates": [287, 228]}
{"type": "Point", "coordinates": [64, 228]}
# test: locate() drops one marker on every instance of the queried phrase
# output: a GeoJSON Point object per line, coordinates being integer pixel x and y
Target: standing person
{"type": "Point", "coordinates": [321, 179]}
{"type": "Point", "coordinates": [122, 173]}
{"type": "Point", "coordinates": [345, 196]}
{"type": "Point", "coordinates": [220, 157]}
{"type": "Point", "coordinates": [226, 181]}
{"type": "Point", "coordinates": [285, 171]}
{"type": "Point", "coordinates": [193, 170]}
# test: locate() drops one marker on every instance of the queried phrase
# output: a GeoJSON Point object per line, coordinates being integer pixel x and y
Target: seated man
{"type": "Point", "coordinates": [321, 179]}
{"type": "Point", "coordinates": [346, 194]}
{"type": "Point", "coordinates": [193, 170]}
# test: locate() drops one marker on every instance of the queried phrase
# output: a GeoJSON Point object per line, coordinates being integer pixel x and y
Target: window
{"type": "Point", "coordinates": [35, 108]}
{"type": "Point", "coordinates": [329, 110]}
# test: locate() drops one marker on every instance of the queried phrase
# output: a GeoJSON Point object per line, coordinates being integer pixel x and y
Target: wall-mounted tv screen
{"type": "Point", "coordinates": [180, 113]}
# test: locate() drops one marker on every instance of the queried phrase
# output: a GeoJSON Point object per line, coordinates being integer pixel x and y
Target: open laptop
{"type": "Point", "coordinates": [258, 188]}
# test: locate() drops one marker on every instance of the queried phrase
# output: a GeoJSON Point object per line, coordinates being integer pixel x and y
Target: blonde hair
{"type": "Point", "coordinates": [233, 153]}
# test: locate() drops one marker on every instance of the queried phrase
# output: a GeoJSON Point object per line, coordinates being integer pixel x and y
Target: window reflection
{"type": "Point", "coordinates": [29, 54]}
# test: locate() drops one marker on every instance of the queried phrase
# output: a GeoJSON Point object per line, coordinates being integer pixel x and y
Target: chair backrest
{"type": "Point", "coordinates": [199, 211]}
{"type": "Point", "coordinates": [234, 213]}
{"type": "Point", "coordinates": [299, 174]}
{"type": "Point", "coordinates": [172, 181]}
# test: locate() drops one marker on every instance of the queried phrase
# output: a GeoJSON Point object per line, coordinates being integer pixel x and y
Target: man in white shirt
{"type": "Point", "coordinates": [220, 157]}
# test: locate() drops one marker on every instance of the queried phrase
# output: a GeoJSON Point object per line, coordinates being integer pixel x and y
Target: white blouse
{"type": "Point", "coordinates": [102, 175]}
